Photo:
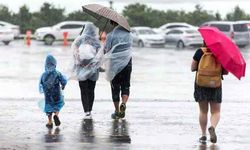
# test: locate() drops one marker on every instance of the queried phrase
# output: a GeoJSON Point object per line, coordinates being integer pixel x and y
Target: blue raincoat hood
{"type": "Point", "coordinates": [50, 63]}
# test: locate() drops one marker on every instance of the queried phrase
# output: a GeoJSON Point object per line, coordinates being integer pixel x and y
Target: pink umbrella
{"type": "Point", "coordinates": [225, 50]}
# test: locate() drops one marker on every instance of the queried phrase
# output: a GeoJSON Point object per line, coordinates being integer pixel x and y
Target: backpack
{"type": "Point", "coordinates": [209, 70]}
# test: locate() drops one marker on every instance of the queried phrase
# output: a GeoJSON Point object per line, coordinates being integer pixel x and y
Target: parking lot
{"type": "Point", "coordinates": [164, 73]}
{"type": "Point", "coordinates": [161, 80]}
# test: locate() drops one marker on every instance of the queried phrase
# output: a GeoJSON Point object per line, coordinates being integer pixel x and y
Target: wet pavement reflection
{"type": "Point", "coordinates": [208, 147]}
{"type": "Point", "coordinates": [53, 135]}
{"type": "Point", "coordinates": [120, 132]}
{"type": "Point", "coordinates": [87, 134]}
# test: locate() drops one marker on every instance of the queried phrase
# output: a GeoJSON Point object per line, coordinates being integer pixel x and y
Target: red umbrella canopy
{"type": "Point", "coordinates": [225, 50]}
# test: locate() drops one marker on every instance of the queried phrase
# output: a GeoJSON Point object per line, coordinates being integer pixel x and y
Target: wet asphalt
{"type": "Point", "coordinates": [161, 113]}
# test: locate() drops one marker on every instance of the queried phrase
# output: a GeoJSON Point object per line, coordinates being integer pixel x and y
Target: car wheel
{"type": "Point", "coordinates": [6, 42]}
{"type": "Point", "coordinates": [140, 44]}
{"type": "Point", "coordinates": [180, 44]}
{"type": "Point", "coordinates": [49, 39]}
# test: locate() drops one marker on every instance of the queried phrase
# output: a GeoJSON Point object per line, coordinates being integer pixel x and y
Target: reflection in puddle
{"type": "Point", "coordinates": [87, 131]}
{"type": "Point", "coordinates": [206, 147]}
{"type": "Point", "coordinates": [119, 132]}
{"type": "Point", "coordinates": [53, 136]}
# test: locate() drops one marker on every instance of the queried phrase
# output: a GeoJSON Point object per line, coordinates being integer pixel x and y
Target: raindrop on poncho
{"type": "Point", "coordinates": [118, 51]}
{"type": "Point", "coordinates": [87, 54]}
{"type": "Point", "coordinates": [50, 84]}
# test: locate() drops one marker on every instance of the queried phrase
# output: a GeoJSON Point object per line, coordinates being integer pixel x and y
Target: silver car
{"type": "Point", "coordinates": [247, 22]}
{"type": "Point", "coordinates": [182, 37]}
{"type": "Point", "coordinates": [145, 36]}
{"type": "Point", "coordinates": [237, 31]}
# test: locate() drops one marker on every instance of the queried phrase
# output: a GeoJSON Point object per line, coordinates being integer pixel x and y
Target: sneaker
{"type": "Point", "coordinates": [122, 110]}
{"type": "Point", "coordinates": [57, 121]}
{"type": "Point", "coordinates": [203, 139]}
{"type": "Point", "coordinates": [50, 126]}
{"type": "Point", "coordinates": [88, 115]}
{"type": "Point", "coordinates": [115, 115]}
{"type": "Point", "coordinates": [213, 137]}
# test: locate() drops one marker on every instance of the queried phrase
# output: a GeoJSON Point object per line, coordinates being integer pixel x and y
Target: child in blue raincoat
{"type": "Point", "coordinates": [51, 83]}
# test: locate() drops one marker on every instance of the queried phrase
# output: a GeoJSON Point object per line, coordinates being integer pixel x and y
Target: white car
{"type": "Point", "coordinates": [14, 28]}
{"type": "Point", "coordinates": [168, 26]}
{"type": "Point", "coordinates": [55, 33]}
{"type": "Point", "coordinates": [6, 35]}
{"type": "Point", "coordinates": [182, 37]}
{"type": "Point", "coordinates": [145, 36]}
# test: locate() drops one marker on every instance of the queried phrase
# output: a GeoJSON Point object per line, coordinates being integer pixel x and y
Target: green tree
{"type": "Point", "coordinates": [199, 16]}
{"type": "Point", "coordinates": [218, 16]}
{"type": "Point", "coordinates": [49, 15]}
{"type": "Point", "coordinates": [137, 14]}
{"type": "Point", "coordinates": [23, 18]}
{"type": "Point", "coordinates": [5, 14]}
{"type": "Point", "coordinates": [80, 16]}
{"type": "Point", "coordinates": [141, 15]}
{"type": "Point", "coordinates": [237, 14]}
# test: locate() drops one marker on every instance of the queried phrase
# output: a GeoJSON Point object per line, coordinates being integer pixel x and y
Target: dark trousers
{"type": "Point", "coordinates": [121, 83]}
{"type": "Point", "coordinates": [87, 88]}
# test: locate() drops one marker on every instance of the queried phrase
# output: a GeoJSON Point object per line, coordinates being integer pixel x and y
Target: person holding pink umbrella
{"type": "Point", "coordinates": [207, 93]}
{"type": "Point", "coordinates": [219, 55]}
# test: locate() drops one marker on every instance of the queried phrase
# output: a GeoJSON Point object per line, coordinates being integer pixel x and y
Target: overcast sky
{"type": "Point", "coordinates": [222, 6]}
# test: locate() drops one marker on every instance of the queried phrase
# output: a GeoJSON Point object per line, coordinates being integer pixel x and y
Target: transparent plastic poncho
{"type": "Point", "coordinates": [87, 55]}
{"type": "Point", "coordinates": [118, 52]}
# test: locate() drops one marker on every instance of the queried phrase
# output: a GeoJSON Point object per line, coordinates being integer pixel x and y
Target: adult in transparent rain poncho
{"type": "Point", "coordinates": [118, 66]}
{"type": "Point", "coordinates": [86, 63]}
{"type": "Point", "coordinates": [51, 83]}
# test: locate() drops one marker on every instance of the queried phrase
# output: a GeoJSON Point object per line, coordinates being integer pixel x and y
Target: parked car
{"type": "Point", "coordinates": [145, 36]}
{"type": "Point", "coordinates": [55, 33]}
{"type": "Point", "coordinates": [182, 37]}
{"type": "Point", "coordinates": [166, 27]}
{"type": "Point", "coordinates": [237, 31]}
{"type": "Point", "coordinates": [6, 35]}
{"type": "Point", "coordinates": [14, 28]}
{"type": "Point", "coordinates": [247, 22]}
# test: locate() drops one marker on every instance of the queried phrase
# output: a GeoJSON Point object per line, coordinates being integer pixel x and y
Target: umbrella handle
{"type": "Point", "coordinates": [104, 28]}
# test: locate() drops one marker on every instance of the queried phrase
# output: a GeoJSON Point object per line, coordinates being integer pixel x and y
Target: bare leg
{"type": "Point", "coordinates": [203, 116]}
{"type": "Point", "coordinates": [57, 113]}
{"type": "Point", "coordinates": [125, 98]}
{"type": "Point", "coordinates": [50, 119]}
{"type": "Point", "coordinates": [215, 113]}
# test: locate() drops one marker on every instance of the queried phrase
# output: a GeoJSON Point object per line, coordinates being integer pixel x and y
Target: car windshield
{"type": "Point", "coordinates": [146, 31]}
{"type": "Point", "coordinates": [240, 27]}
{"type": "Point", "coordinates": [191, 31]}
